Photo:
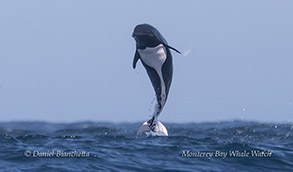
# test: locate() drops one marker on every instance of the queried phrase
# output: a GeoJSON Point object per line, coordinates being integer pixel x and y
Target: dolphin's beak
{"type": "Point", "coordinates": [133, 35]}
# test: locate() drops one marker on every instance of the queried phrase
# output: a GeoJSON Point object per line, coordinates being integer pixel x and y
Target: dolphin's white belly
{"type": "Point", "coordinates": [155, 58]}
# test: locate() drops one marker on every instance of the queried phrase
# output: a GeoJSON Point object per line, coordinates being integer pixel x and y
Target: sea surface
{"type": "Point", "coordinates": [96, 146]}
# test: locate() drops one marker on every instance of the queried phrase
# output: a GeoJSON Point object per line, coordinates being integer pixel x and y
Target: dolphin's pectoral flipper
{"type": "Point", "coordinates": [135, 59]}
{"type": "Point", "coordinates": [166, 45]}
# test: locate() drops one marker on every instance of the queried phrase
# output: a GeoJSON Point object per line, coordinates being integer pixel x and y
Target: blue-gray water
{"type": "Point", "coordinates": [88, 146]}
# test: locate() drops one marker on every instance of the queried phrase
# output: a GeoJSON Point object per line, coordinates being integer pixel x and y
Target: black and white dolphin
{"type": "Point", "coordinates": [154, 52]}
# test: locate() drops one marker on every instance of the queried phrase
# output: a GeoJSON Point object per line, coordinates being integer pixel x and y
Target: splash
{"type": "Point", "coordinates": [186, 52]}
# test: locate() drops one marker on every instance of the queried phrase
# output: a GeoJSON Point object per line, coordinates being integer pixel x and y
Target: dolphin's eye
{"type": "Point", "coordinates": [150, 34]}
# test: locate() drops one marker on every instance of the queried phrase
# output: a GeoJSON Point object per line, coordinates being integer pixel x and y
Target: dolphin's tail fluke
{"type": "Point", "coordinates": [158, 129]}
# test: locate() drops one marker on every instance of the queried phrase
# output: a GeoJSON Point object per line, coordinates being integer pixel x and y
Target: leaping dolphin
{"type": "Point", "coordinates": [154, 52]}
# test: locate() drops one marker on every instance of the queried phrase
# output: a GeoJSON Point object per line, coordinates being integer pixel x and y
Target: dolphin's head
{"type": "Point", "coordinates": [145, 36]}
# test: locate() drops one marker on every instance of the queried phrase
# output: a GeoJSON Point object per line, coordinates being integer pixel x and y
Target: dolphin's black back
{"type": "Point", "coordinates": [167, 71]}
{"type": "Point", "coordinates": [159, 36]}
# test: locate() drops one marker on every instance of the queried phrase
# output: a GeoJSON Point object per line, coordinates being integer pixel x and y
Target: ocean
{"type": "Point", "coordinates": [101, 146]}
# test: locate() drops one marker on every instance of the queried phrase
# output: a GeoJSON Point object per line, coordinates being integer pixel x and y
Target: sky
{"type": "Point", "coordinates": [65, 61]}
